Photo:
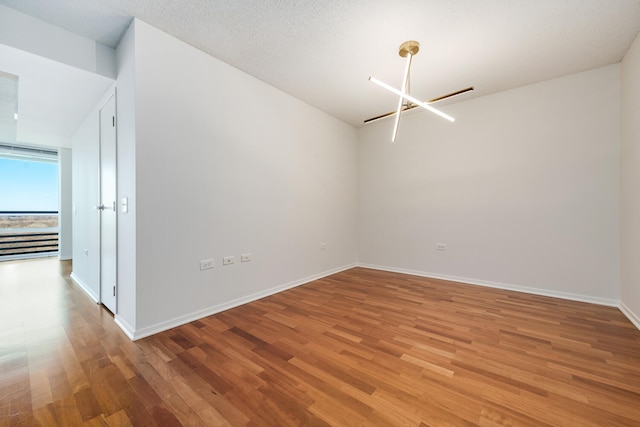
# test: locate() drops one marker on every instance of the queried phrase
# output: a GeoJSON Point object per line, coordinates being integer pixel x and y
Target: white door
{"type": "Point", "coordinates": [108, 207]}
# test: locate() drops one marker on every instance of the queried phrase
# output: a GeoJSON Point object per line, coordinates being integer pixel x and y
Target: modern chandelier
{"type": "Point", "coordinates": [406, 102]}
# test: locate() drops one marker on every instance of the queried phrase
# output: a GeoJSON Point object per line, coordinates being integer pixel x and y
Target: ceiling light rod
{"type": "Point", "coordinates": [404, 89]}
{"type": "Point", "coordinates": [411, 99]}
{"type": "Point", "coordinates": [411, 107]}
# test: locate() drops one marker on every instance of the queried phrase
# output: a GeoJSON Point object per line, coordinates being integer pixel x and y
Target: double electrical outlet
{"type": "Point", "coordinates": [207, 264]}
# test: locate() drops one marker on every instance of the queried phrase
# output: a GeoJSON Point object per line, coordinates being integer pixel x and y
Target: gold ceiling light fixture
{"type": "Point", "coordinates": [406, 102]}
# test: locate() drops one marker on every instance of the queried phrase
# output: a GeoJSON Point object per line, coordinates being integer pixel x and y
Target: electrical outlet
{"type": "Point", "coordinates": [441, 247]}
{"type": "Point", "coordinates": [323, 246]}
{"type": "Point", "coordinates": [245, 257]}
{"type": "Point", "coordinates": [227, 260]}
{"type": "Point", "coordinates": [206, 264]}
{"type": "Point", "coordinates": [86, 252]}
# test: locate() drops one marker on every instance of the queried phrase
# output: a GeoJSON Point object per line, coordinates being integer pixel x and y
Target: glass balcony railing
{"type": "Point", "coordinates": [28, 234]}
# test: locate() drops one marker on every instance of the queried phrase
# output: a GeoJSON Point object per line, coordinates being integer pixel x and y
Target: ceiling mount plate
{"type": "Point", "coordinates": [409, 47]}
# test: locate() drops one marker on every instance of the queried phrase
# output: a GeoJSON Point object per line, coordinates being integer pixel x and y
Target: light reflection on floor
{"type": "Point", "coordinates": [40, 313]}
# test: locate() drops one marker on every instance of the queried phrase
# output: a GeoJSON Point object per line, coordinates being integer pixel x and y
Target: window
{"type": "Point", "coordinates": [28, 201]}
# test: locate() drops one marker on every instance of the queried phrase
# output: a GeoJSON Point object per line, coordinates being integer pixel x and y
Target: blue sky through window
{"type": "Point", "coordinates": [28, 185]}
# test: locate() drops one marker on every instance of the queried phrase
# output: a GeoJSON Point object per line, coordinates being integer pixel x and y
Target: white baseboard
{"type": "Point", "coordinates": [497, 285]}
{"type": "Point", "coordinates": [633, 317]}
{"type": "Point", "coordinates": [134, 334]}
{"type": "Point", "coordinates": [87, 290]}
{"type": "Point", "coordinates": [126, 327]}
{"type": "Point", "coordinates": [181, 320]}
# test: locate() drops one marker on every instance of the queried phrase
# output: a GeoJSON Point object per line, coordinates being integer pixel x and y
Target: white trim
{"type": "Point", "coordinates": [181, 320]}
{"type": "Point", "coordinates": [126, 327]}
{"type": "Point", "coordinates": [633, 318]}
{"type": "Point", "coordinates": [497, 285]}
{"type": "Point", "coordinates": [20, 257]}
{"type": "Point", "coordinates": [29, 153]}
{"type": "Point", "coordinates": [87, 290]}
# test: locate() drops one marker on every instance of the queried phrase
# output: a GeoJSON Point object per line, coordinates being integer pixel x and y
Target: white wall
{"type": "Point", "coordinates": [125, 314]}
{"type": "Point", "coordinates": [226, 164]}
{"type": "Point", "coordinates": [86, 192]}
{"type": "Point", "coordinates": [631, 183]}
{"type": "Point", "coordinates": [523, 189]}
{"type": "Point", "coordinates": [65, 226]}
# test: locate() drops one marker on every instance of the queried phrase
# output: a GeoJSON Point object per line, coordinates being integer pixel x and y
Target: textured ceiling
{"type": "Point", "coordinates": [322, 51]}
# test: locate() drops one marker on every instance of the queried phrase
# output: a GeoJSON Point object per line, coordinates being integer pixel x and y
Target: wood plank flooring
{"type": "Point", "coordinates": [357, 348]}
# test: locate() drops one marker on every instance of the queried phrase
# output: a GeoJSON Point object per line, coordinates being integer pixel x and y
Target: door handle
{"type": "Point", "coordinates": [103, 207]}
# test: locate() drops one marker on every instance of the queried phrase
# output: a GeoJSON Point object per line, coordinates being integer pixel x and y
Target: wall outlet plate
{"type": "Point", "coordinates": [206, 264]}
{"type": "Point", "coordinates": [245, 257]}
{"type": "Point", "coordinates": [441, 247]}
{"type": "Point", "coordinates": [323, 246]}
{"type": "Point", "coordinates": [227, 260]}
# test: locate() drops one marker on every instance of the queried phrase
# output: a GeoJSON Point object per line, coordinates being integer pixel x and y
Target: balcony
{"type": "Point", "coordinates": [28, 234]}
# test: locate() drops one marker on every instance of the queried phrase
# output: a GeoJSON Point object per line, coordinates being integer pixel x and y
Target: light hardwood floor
{"type": "Point", "coordinates": [358, 348]}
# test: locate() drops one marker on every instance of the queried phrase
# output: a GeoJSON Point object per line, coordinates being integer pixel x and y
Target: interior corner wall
{"type": "Point", "coordinates": [630, 227]}
{"type": "Point", "coordinates": [86, 192]}
{"type": "Point", "coordinates": [523, 189]}
{"type": "Point", "coordinates": [225, 165]}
